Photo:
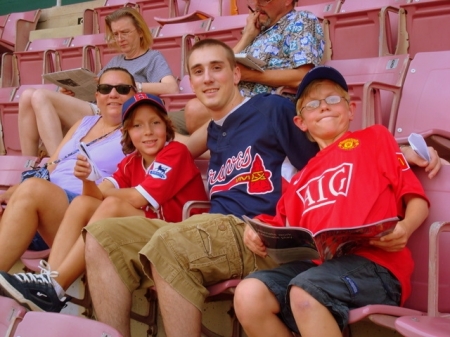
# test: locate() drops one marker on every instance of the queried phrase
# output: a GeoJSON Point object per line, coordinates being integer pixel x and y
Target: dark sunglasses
{"type": "Point", "coordinates": [122, 89]}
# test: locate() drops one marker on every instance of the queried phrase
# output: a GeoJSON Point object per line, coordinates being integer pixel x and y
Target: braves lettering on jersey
{"type": "Point", "coordinates": [357, 180]}
{"type": "Point", "coordinates": [252, 153]}
{"type": "Point", "coordinates": [170, 181]}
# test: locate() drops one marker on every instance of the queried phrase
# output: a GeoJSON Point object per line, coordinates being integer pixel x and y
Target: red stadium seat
{"type": "Point", "coordinates": [8, 116]}
{"type": "Point", "coordinates": [11, 313]}
{"type": "Point", "coordinates": [38, 59]}
{"type": "Point", "coordinates": [199, 10]}
{"type": "Point", "coordinates": [426, 25]}
{"type": "Point", "coordinates": [175, 40]}
{"type": "Point", "coordinates": [321, 9]}
{"type": "Point", "coordinates": [424, 103]}
{"type": "Point", "coordinates": [437, 191]}
{"type": "Point", "coordinates": [375, 85]}
{"type": "Point", "coordinates": [362, 29]}
{"type": "Point", "coordinates": [148, 9]}
{"type": "Point", "coordinates": [51, 324]}
{"type": "Point", "coordinates": [16, 31]}
{"type": "Point", "coordinates": [227, 29]}
{"type": "Point", "coordinates": [176, 102]}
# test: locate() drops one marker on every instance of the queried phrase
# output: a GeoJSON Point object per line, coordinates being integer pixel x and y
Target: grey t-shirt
{"type": "Point", "coordinates": [150, 67]}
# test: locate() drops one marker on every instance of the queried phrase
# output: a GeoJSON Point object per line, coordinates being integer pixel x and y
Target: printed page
{"type": "Point", "coordinates": [419, 145]}
{"type": "Point", "coordinates": [81, 81]}
{"type": "Point", "coordinates": [337, 242]}
{"type": "Point", "coordinates": [284, 244]}
{"type": "Point", "coordinates": [250, 61]}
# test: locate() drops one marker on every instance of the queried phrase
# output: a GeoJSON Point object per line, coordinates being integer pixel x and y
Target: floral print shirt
{"type": "Point", "coordinates": [296, 39]}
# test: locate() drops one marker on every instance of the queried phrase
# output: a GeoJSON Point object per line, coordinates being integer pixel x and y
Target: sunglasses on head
{"type": "Point", "coordinates": [122, 89]}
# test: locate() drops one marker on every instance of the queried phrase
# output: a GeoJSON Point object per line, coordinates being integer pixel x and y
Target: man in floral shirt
{"type": "Point", "coordinates": [289, 41]}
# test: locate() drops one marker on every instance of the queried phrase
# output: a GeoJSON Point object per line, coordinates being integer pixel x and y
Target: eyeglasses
{"type": "Point", "coordinates": [262, 3]}
{"type": "Point", "coordinates": [122, 89]}
{"type": "Point", "coordinates": [124, 34]}
{"type": "Point", "coordinates": [330, 100]}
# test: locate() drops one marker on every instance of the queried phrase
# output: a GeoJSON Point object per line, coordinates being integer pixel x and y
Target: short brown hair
{"type": "Point", "coordinates": [214, 43]}
{"type": "Point", "coordinates": [138, 22]}
{"type": "Point", "coordinates": [127, 145]}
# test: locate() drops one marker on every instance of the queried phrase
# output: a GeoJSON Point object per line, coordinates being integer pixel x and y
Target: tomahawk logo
{"type": "Point", "coordinates": [325, 189]}
{"type": "Point", "coordinates": [258, 180]}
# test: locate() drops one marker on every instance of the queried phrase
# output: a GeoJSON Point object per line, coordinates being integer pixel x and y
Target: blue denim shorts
{"type": "Point", "coordinates": [38, 243]}
{"type": "Point", "coordinates": [340, 284]}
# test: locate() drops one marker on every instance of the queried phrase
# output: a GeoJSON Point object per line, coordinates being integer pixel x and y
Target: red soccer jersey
{"type": "Point", "coordinates": [170, 181]}
{"type": "Point", "coordinates": [359, 179]}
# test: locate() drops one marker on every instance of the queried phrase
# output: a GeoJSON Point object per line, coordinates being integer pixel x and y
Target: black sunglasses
{"type": "Point", "coordinates": [122, 89]}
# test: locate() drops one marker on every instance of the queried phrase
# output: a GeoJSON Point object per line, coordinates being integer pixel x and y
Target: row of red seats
{"type": "Point", "coordinates": [17, 321]}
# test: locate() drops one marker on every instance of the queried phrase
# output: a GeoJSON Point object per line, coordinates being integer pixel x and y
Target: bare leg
{"type": "Point", "coordinates": [196, 115]}
{"type": "Point", "coordinates": [68, 245]}
{"type": "Point", "coordinates": [28, 210]}
{"type": "Point", "coordinates": [53, 112]}
{"type": "Point", "coordinates": [312, 318]}
{"type": "Point", "coordinates": [180, 317]}
{"type": "Point", "coordinates": [257, 308]}
{"type": "Point", "coordinates": [28, 130]}
{"type": "Point", "coordinates": [110, 296]}
{"type": "Point", "coordinates": [68, 257]}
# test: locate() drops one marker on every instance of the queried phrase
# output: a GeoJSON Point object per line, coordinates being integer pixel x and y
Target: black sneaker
{"type": "Point", "coordinates": [34, 291]}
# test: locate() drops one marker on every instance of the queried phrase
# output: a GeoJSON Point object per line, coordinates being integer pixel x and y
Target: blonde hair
{"type": "Point", "coordinates": [127, 145]}
{"type": "Point", "coordinates": [138, 22]}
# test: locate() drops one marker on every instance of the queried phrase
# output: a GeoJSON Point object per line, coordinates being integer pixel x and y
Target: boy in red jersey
{"type": "Point", "coordinates": [357, 178]}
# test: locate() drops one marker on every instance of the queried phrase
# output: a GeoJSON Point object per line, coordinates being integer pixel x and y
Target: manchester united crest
{"type": "Point", "coordinates": [349, 144]}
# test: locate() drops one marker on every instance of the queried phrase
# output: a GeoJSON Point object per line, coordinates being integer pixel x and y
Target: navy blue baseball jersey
{"type": "Point", "coordinates": [252, 153]}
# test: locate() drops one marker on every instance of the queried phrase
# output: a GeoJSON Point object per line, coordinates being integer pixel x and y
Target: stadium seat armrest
{"type": "Point", "coordinates": [190, 205]}
{"type": "Point", "coordinates": [433, 273]}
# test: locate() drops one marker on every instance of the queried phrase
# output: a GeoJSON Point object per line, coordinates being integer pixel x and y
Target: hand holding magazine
{"type": "Point", "coordinates": [81, 81]}
{"type": "Point", "coordinates": [250, 61]}
{"type": "Point", "coordinates": [285, 244]}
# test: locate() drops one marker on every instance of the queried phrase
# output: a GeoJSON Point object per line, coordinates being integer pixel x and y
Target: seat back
{"type": "Point", "coordinates": [16, 30]}
{"type": "Point", "coordinates": [175, 40]}
{"type": "Point", "coordinates": [426, 23]}
{"type": "Point", "coordinates": [9, 118]}
{"type": "Point", "coordinates": [227, 29]}
{"type": "Point", "coordinates": [81, 52]}
{"type": "Point", "coordinates": [365, 77]}
{"type": "Point", "coordinates": [11, 313]}
{"type": "Point", "coordinates": [214, 8]}
{"type": "Point", "coordinates": [176, 102]}
{"type": "Point", "coordinates": [105, 51]}
{"type": "Point", "coordinates": [157, 8]}
{"type": "Point", "coordinates": [38, 59]}
{"type": "Point", "coordinates": [362, 29]}
{"type": "Point", "coordinates": [425, 101]}
{"type": "Point", "coordinates": [321, 9]}
{"type": "Point", "coordinates": [11, 168]}
{"type": "Point", "coordinates": [51, 324]}
{"type": "Point", "coordinates": [438, 192]}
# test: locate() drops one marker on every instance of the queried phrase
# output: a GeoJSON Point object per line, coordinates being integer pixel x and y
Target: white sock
{"type": "Point", "coordinates": [59, 290]}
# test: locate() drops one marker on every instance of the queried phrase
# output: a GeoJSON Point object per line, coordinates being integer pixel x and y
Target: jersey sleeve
{"type": "Point", "coordinates": [121, 178]}
{"type": "Point", "coordinates": [394, 166]}
{"type": "Point", "coordinates": [171, 170]}
{"type": "Point", "coordinates": [294, 142]}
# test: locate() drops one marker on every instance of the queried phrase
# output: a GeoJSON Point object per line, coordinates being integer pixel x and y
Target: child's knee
{"type": "Point", "coordinates": [301, 301]}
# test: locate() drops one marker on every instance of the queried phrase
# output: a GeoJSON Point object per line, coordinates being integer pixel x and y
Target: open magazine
{"type": "Point", "coordinates": [81, 81]}
{"type": "Point", "coordinates": [285, 244]}
{"type": "Point", "coordinates": [250, 61]}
